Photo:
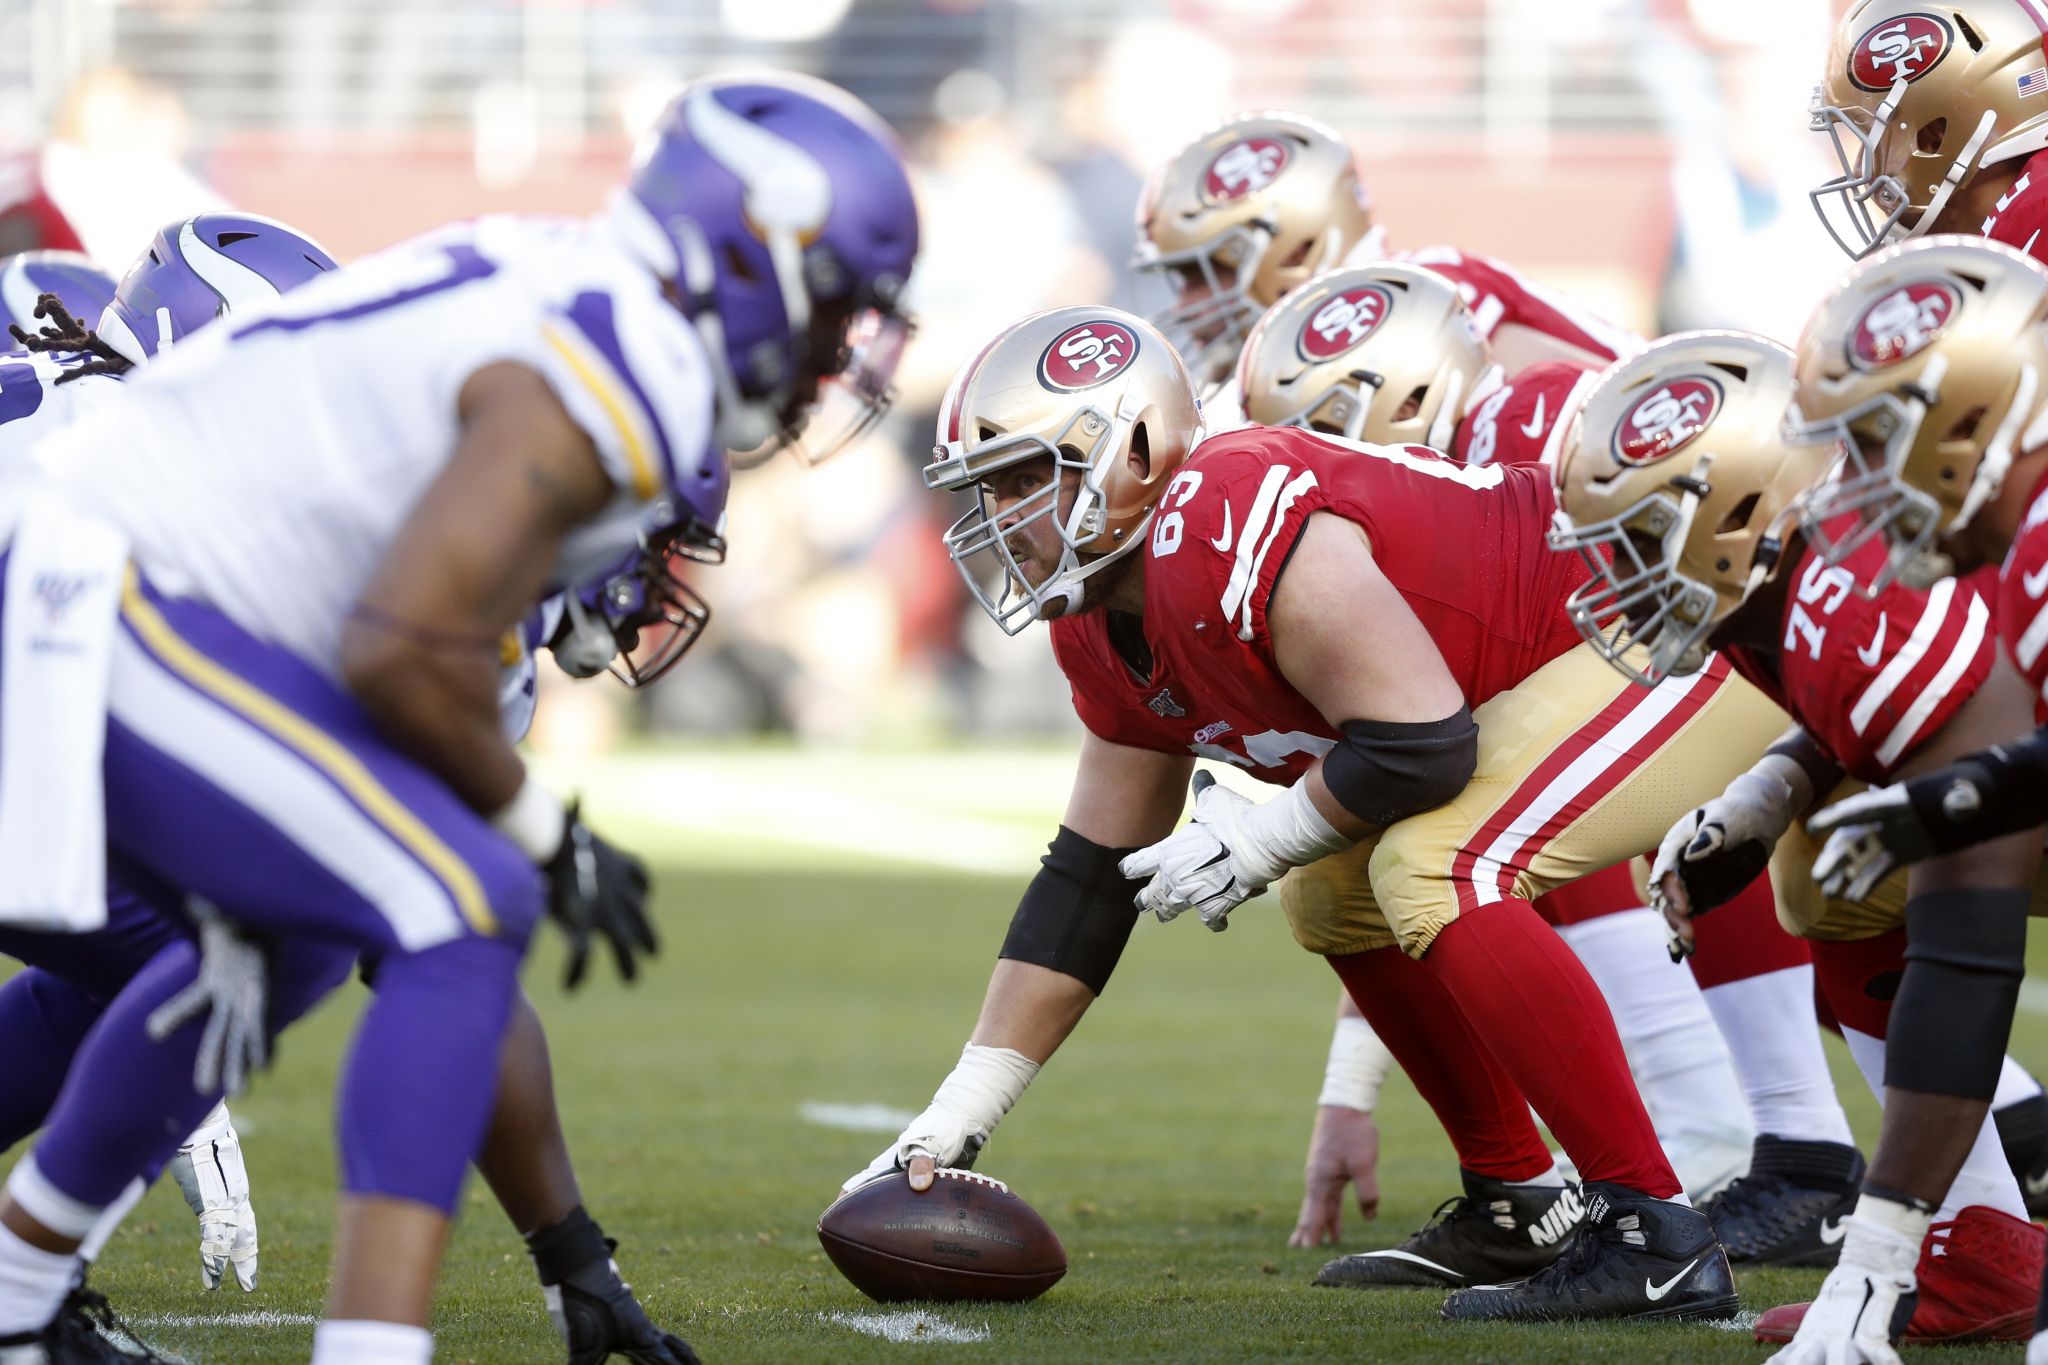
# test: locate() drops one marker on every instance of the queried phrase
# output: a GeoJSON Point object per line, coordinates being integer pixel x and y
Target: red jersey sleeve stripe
{"type": "Point", "coordinates": [1907, 659]}
{"type": "Point", "coordinates": [1261, 528]}
{"type": "Point", "coordinates": [2030, 642]}
{"type": "Point", "coordinates": [1974, 640]}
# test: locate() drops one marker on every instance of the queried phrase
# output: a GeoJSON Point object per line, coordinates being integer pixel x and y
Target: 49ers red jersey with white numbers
{"type": "Point", "coordinates": [2021, 213]}
{"type": "Point", "coordinates": [1464, 547]}
{"type": "Point", "coordinates": [1522, 420]}
{"type": "Point", "coordinates": [1872, 679]}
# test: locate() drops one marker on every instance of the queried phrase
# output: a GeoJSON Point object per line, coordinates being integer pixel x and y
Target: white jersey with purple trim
{"type": "Point", "coordinates": [33, 404]}
{"type": "Point", "coordinates": [265, 465]}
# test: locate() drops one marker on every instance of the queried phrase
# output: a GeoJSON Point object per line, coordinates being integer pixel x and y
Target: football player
{"type": "Point", "coordinates": [1387, 353]}
{"type": "Point", "coordinates": [1690, 527]}
{"type": "Point", "coordinates": [1267, 201]}
{"type": "Point", "coordinates": [1937, 116]}
{"type": "Point", "coordinates": [1380, 630]}
{"type": "Point", "coordinates": [357, 490]}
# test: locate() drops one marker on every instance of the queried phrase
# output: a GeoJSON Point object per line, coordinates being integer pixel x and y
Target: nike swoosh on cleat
{"type": "Point", "coordinates": [1834, 1232]}
{"type": "Point", "coordinates": [1222, 542]}
{"type": "Point", "coordinates": [1871, 655]}
{"type": "Point", "coordinates": [1534, 426]}
{"type": "Point", "coordinates": [1658, 1291]}
{"type": "Point", "coordinates": [2036, 1183]}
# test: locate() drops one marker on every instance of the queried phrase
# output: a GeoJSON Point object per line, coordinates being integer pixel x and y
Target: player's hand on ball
{"type": "Point", "coordinates": [596, 889]}
{"type": "Point", "coordinates": [938, 1137]}
{"type": "Point", "coordinates": [1343, 1150]}
{"type": "Point", "coordinates": [1206, 865]}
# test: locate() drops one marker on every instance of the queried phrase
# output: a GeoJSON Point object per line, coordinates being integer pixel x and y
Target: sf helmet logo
{"type": "Point", "coordinates": [1665, 419]}
{"type": "Point", "coordinates": [1902, 323]}
{"type": "Point", "coordinates": [1243, 168]}
{"type": "Point", "coordinates": [1901, 49]}
{"type": "Point", "coordinates": [1343, 321]}
{"type": "Point", "coordinates": [1084, 356]}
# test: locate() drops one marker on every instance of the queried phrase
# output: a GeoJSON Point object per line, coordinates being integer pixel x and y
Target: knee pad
{"type": "Point", "coordinates": [1965, 955]}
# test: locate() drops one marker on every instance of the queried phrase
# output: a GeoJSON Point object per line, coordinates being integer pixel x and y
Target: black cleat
{"type": "Point", "coordinates": [2023, 1132]}
{"type": "Point", "coordinates": [1788, 1209]}
{"type": "Point", "coordinates": [1494, 1231]}
{"type": "Point", "coordinates": [84, 1332]}
{"type": "Point", "coordinates": [1633, 1257]}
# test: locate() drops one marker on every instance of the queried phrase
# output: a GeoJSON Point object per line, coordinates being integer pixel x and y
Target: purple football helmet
{"type": "Point", "coordinates": [780, 209]}
{"type": "Point", "coordinates": [84, 288]}
{"type": "Point", "coordinates": [200, 268]}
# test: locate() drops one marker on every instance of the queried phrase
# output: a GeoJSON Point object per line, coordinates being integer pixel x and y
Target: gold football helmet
{"type": "Point", "coordinates": [1102, 394]}
{"type": "Point", "coordinates": [1929, 364]}
{"type": "Point", "coordinates": [1240, 216]}
{"type": "Point", "coordinates": [1386, 353]}
{"type": "Point", "coordinates": [1919, 97]}
{"type": "Point", "coordinates": [1677, 485]}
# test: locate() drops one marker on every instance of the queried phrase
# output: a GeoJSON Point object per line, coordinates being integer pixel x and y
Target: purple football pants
{"type": "Point", "coordinates": [238, 773]}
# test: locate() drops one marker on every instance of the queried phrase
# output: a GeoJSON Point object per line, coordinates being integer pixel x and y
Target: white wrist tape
{"type": "Point", "coordinates": [1359, 1065]}
{"type": "Point", "coordinates": [533, 820]}
{"type": "Point", "coordinates": [1789, 788]}
{"type": "Point", "coordinates": [1885, 1235]}
{"type": "Point", "coordinates": [983, 1086]}
{"type": "Point", "coordinates": [1287, 832]}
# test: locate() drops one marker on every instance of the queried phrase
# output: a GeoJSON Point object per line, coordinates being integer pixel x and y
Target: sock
{"type": "Point", "coordinates": [1681, 1066]}
{"type": "Point", "coordinates": [110, 1219]}
{"type": "Point", "coordinates": [33, 1283]}
{"type": "Point", "coordinates": [1552, 1179]}
{"type": "Point", "coordinates": [371, 1343]}
{"type": "Point", "coordinates": [1532, 1005]}
{"type": "Point", "coordinates": [1985, 1177]}
{"type": "Point", "coordinates": [1480, 1109]}
{"type": "Point", "coordinates": [1769, 1026]}
{"type": "Point", "coordinates": [2015, 1085]}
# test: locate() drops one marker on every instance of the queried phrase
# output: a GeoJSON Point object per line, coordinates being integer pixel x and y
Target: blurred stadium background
{"type": "Point", "coordinates": [1626, 150]}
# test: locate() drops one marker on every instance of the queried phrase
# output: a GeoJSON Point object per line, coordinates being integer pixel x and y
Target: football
{"type": "Point", "coordinates": [966, 1238]}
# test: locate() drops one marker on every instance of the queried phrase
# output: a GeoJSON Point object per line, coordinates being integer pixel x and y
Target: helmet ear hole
{"type": "Point", "coordinates": [1141, 450]}
{"type": "Point", "coordinates": [1738, 516]}
{"type": "Point", "coordinates": [1412, 404]}
{"type": "Point", "coordinates": [1965, 427]}
{"type": "Point", "coordinates": [1930, 137]}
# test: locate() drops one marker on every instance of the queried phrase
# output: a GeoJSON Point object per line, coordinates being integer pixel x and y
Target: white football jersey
{"type": "Point", "coordinates": [33, 404]}
{"type": "Point", "coordinates": [265, 465]}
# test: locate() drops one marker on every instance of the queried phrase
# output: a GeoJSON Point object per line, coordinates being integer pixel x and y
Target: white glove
{"type": "Point", "coordinates": [1869, 835]}
{"type": "Point", "coordinates": [1721, 847]}
{"type": "Point", "coordinates": [1231, 851]}
{"type": "Point", "coordinates": [1851, 1319]}
{"type": "Point", "coordinates": [969, 1104]}
{"type": "Point", "coordinates": [210, 1174]}
{"type": "Point", "coordinates": [233, 992]}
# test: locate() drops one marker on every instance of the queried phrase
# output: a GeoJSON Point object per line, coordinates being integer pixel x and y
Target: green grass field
{"type": "Point", "coordinates": [1164, 1145]}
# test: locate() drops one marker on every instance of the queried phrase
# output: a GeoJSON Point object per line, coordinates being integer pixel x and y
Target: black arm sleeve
{"type": "Point", "coordinates": [1986, 795]}
{"type": "Point", "coordinates": [1389, 770]}
{"type": "Point", "coordinates": [1078, 912]}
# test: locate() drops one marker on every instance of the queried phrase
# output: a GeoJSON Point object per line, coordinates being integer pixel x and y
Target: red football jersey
{"type": "Point", "coordinates": [2022, 584]}
{"type": "Point", "coordinates": [1871, 679]}
{"type": "Point", "coordinates": [1498, 296]}
{"type": "Point", "coordinates": [1522, 420]}
{"type": "Point", "coordinates": [2022, 211]}
{"type": "Point", "coordinates": [1464, 546]}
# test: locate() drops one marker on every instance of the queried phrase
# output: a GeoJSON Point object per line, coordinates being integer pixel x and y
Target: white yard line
{"type": "Point", "coordinates": [855, 1118]}
{"type": "Point", "coordinates": [258, 1317]}
{"type": "Point", "coordinates": [907, 1327]}
{"type": "Point", "coordinates": [1741, 1322]}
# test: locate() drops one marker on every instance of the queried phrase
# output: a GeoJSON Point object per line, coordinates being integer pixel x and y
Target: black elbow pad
{"type": "Point", "coordinates": [1389, 770]}
{"type": "Point", "coordinates": [1078, 912]}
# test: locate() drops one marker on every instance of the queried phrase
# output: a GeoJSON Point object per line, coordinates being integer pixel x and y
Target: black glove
{"type": "Point", "coordinates": [593, 1308]}
{"type": "Point", "coordinates": [594, 887]}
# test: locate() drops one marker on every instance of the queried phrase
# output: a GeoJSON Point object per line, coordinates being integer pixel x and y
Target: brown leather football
{"type": "Point", "coordinates": [965, 1238]}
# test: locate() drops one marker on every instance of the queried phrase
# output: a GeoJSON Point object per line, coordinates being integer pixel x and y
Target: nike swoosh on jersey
{"type": "Point", "coordinates": [1831, 1233]}
{"type": "Point", "coordinates": [2035, 582]}
{"type": "Point", "coordinates": [1871, 655]}
{"type": "Point", "coordinates": [1222, 542]}
{"type": "Point", "coordinates": [1534, 426]}
{"type": "Point", "coordinates": [1658, 1291]}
